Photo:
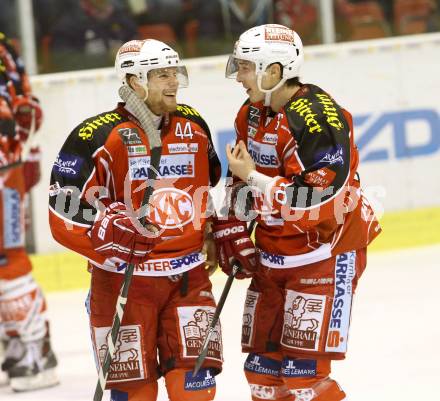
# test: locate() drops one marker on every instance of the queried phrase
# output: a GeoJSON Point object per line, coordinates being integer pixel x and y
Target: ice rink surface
{"type": "Point", "coordinates": [393, 350]}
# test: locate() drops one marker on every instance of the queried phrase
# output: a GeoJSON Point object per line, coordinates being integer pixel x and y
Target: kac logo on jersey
{"type": "Point", "coordinates": [171, 208]}
{"type": "Point", "coordinates": [171, 166]}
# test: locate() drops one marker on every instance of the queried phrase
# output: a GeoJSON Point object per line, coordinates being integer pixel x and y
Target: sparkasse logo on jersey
{"type": "Point", "coordinates": [171, 166]}
{"type": "Point", "coordinates": [341, 307]}
{"type": "Point", "coordinates": [264, 155]}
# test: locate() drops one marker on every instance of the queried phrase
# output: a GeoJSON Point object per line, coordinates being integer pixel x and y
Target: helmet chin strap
{"type": "Point", "coordinates": [143, 83]}
{"type": "Point", "coordinates": [268, 92]}
{"type": "Point", "coordinates": [267, 97]}
{"type": "Point", "coordinates": [146, 94]}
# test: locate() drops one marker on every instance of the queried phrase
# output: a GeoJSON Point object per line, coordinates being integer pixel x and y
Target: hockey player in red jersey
{"type": "Point", "coordinates": [29, 361]}
{"type": "Point", "coordinates": [98, 180]}
{"type": "Point", "coordinates": [295, 149]}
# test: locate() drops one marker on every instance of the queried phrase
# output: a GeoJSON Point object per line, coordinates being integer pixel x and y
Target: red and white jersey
{"type": "Point", "coordinates": [314, 207]}
{"type": "Point", "coordinates": [109, 154]}
{"type": "Point", "coordinates": [14, 81]}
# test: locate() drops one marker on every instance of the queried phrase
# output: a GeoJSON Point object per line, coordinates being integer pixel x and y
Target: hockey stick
{"type": "Point", "coordinates": [141, 112]}
{"type": "Point", "coordinates": [204, 350]}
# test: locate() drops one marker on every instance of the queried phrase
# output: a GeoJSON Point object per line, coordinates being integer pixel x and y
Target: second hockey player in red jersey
{"type": "Point", "coordinates": [97, 180]}
{"type": "Point", "coordinates": [29, 360]}
{"type": "Point", "coordinates": [295, 148]}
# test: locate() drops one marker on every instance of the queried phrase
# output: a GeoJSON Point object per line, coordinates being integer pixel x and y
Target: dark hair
{"type": "Point", "coordinates": [128, 76]}
{"type": "Point", "coordinates": [291, 81]}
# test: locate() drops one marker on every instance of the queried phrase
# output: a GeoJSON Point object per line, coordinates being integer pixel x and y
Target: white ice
{"type": "Point", "coordinates": [393, 350]}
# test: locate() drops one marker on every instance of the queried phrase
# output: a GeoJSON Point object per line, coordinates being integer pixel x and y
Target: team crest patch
{"type": "Point", "coordinates": [193, 324]}
{"type": "Point", "coordinates": [247, 328]}
{"type": "Point", "coordinates": [303, 316]}
{"type": "Point", "coordinates": [130, 136]}
{"type": "Point", "coordinates": [254, 116]}
{"type": "Point", "coordinates": [127, 363]}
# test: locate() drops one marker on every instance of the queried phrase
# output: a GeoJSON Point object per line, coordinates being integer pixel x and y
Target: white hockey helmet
{"type": "Point", "coordinates": [265, 45]}
{"type": "Point", "coordinates": [138, 57]}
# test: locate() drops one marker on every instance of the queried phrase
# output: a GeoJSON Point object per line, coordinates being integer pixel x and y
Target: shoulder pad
{"type": "Point", "coordinates": [190, 113]}
{"type": "Point", "coordinates": [315, 111]}
{"type": "Point", "coordinates": [99, 126]}
{"type": "Point", "coordinates": [186, 111]}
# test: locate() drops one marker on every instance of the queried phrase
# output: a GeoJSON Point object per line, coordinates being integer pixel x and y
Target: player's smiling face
{"type": "Point", "coordinates": [162, 90]}
{"type": "Point", "coordinates": [247, 76]}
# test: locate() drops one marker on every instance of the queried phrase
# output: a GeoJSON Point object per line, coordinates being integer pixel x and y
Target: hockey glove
{"type": "Point", "coordinates": [115, 235]}
{"type": "Point", "coordinates": [25, 110]}
{"type": "Point", "coordinates": [31, 169]}
{"type": "Point", "coordinates": [233, 244]}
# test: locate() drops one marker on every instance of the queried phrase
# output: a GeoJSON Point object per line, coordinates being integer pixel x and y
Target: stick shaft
{"type": "Point", "coordinates": [156, 150]}
{"type": "Point", "coordinates": [204, 350]}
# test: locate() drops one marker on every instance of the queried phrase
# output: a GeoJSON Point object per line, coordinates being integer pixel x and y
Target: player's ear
{"type": "Point", "coordinates": [133, 81]}
{"type": "Point", "coordinates": [275, 71]}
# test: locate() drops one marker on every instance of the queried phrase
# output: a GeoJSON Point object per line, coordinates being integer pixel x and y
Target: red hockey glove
{"type": "Point", "coordinates": [31, 169]}
{"type": "Point", "coordinates": [26, 108]}
{"type": "Point", "coordinates": [115, 235]}
{"type": "Point", "coordinates": [233, 244]}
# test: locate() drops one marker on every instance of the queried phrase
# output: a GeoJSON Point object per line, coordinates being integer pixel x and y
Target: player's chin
{"type": "Point", "coordinates": [170, 103]}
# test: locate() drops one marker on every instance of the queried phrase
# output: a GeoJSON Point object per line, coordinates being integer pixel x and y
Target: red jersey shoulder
{"type": "Point", "coordinates": [248, 119]}
{"type": "Point", "coordinates": [186, 122]}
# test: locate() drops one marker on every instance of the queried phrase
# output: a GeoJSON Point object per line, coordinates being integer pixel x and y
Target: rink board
{"type": "Point", "coordinates": [63, 271]}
